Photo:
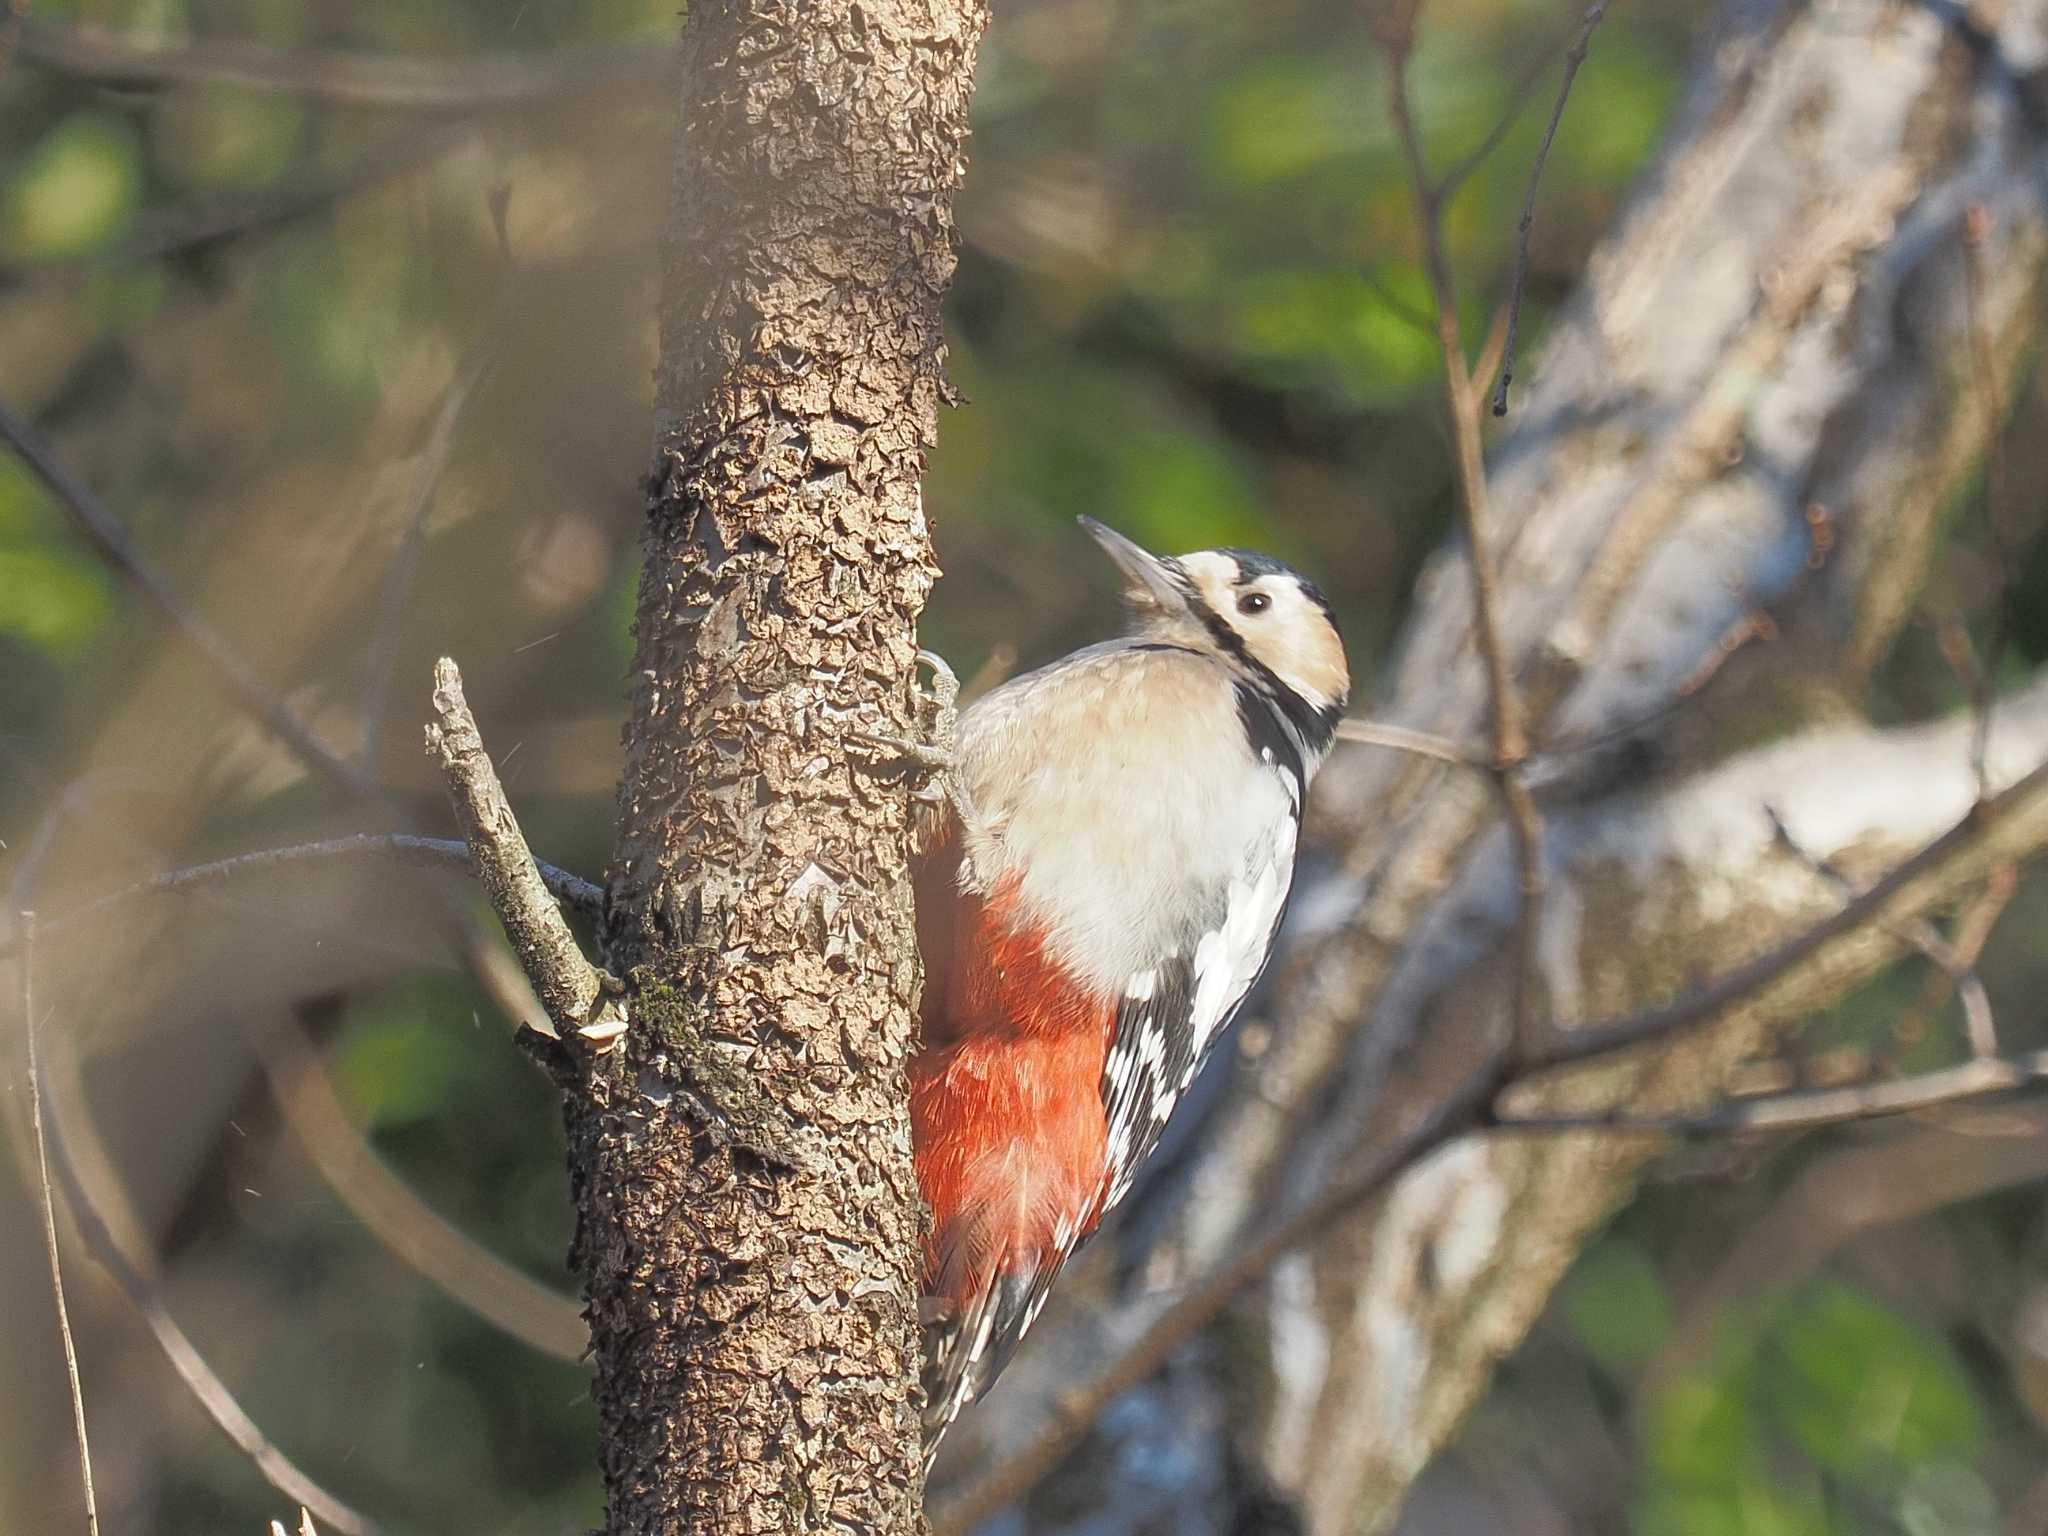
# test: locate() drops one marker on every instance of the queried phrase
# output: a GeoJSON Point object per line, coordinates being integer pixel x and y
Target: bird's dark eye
{"type": "Point", "coordinates": [1254, 602]}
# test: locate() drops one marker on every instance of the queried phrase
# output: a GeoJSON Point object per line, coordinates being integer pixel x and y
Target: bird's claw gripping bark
{"type": "Point", "coordinates": [940, 708]}
{"type": "Point", "coordinates": [934, 753]}
{"type": "Point", "coordinates": [942, 702]}
{"type": "Point", "coordinates": [933, 757]}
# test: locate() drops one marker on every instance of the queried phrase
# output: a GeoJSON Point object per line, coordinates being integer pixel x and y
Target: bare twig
{"type": "Point", "coordinates": [1753, 624]}
{"type": "Point", "coordinates": [467, 1272]}
{"type": "Point", "coordinates": [1975, 1079]}
{"type": "Point", "coordinates": [1917, 934]}
{"type": "Point", "coordinates": [1573, 58]}
{"type": "Point", "coordinates": [1586, 1041]}
{"type": "Point", "coordinates": [200, 1379]}
{"type": "Point", "coordinates": [1491, 349]}
{"type": "Point", "coordinates": [566, 983]}
{"type": "Point", "coordinates": [1397, 306]}
{"type": "Point", "coordinates": [1518, 98]}
{"type": "Point", "coordinates": [111, 542]}
{"type": "Point", "coordinates": [1399, 738]}
{"type": "Point", "coordinates": [1470, 1106]}
{"type": "Point", "coordinates": [1956, 972]}
{"type": "Point", "coordinates": [347, 78]}
{"type": "Point", "coordinates": [49, 1216]}
{"type": "Point", "coordinates": [578, 893]}
{"type": "Point", "coordinates": [190, 225]}
{"type": "Point", "coordinates": [1973, 932]}
{"type": "Point", "coordinates": [136, 1279]}
{"type": "Point", "coordinates": [1984, 382]}
{"type": "Point", "coordinates": [1451, 1116]}
{"type": "Point", "coordinates": [1461, 399]}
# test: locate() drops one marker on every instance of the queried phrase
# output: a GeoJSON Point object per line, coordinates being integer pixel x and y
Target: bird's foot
{"type": "Point", "coordinates": [932, 758]}
{"type": "Point", "coordinates": [939, 708]}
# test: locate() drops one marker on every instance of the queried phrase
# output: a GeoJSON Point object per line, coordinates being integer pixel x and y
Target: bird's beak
{"type": "Point", "coordinates": [1150, 583]}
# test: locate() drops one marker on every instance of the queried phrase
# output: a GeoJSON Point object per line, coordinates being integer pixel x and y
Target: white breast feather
{"type": "Point", "coordinates": [1114, 792]}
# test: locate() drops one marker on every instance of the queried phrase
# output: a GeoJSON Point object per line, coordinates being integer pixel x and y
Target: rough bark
{"type": "Point", "coordinates": [748, 1218]}
{"type": "Point", "coordinates": [1774, 340]}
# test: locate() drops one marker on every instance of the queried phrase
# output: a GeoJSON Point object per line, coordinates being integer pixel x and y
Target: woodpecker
{"type": "Point", "coordinates": [1097, 891]}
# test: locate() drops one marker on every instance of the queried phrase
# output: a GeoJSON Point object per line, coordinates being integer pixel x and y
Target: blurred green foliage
{"type": "Point", "coordinates": [1188, 303]}
{"type": "Point", "coordinates": [76, 189]}
{"type": "Point", "coordinates": [50, 597]}
{"type": "Point", "coordinates": [1811, 1420]}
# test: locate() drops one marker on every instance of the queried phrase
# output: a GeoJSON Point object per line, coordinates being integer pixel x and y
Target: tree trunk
{"type": "Point", "coordinates": [1763, 397]}
{"type": "Point", "coordinates": [748, 1216]}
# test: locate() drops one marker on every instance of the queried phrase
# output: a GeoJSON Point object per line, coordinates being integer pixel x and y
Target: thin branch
{"type": "Point", "coordinates": [1984, 382]}
{"type": "Point", "coordinates": [579, 894]}
{"type": "Point", "coordinates": [1583, 1042]}
{"type": "Point", "coordinates": [583, 895]}
{"type": "Point", "coordinates": [1450, 1117]}
{"type": "Point", "coordinates": [1494, 347]}
{"type": "Point", "coordinates": [1978, 1078]}
{"type": "Point", "coordinates": [1753, 623]}
{"type": "Point", "coordinates": [1572, 60]}
{"type": "Point", "coordinates": [200, 1378]}
{"type": "Point", "coordinates": [190, 225]}
{"type": "Point", "coordinates": [49, 1215]}
{"type": "Point", "coordinates": [1397, 306]}
{"type": "Point", "coordinates": [346, 77]}
{"type": "Point", "coordinates": [467, 1272]}
{"type": "Point", "coordinates": [1399, 738]}
{"type": "Point", "coordinates": [1916, 934]}
{"type": "Point", "coordinates": [1518, 100]}
{"type": "Point", "coordinates": [567, 984]}
{"type": "Point", "coordinates": [136, 1279]}
{"type": "Point", "coordinates": [110, 541]}
{"type": "Point", "coordinates": [1956, 972]}
{"type": "Point", "coordinates": [1461, 399]}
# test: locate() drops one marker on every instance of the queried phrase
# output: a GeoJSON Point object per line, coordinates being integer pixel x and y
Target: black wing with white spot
{"type": "Point", "coordinates": [1173, 1014]}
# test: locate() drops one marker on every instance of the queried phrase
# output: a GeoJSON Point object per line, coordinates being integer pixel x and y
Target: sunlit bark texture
{"type": "Point", "coordinates": [748, 1215]}
{"type": "Point", "coordinates": [1760, 400]}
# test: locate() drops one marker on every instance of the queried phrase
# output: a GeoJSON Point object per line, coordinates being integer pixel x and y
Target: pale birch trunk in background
{"type": "Point", "coordinates": [1762, 397]}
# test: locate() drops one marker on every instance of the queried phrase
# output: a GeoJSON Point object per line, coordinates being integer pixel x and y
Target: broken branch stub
{"type": "Point", "coordinates": [568, 985]}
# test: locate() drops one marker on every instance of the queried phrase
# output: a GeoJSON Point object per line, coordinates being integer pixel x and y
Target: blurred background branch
{"type": "Point", "coordinates": [340, 76]}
